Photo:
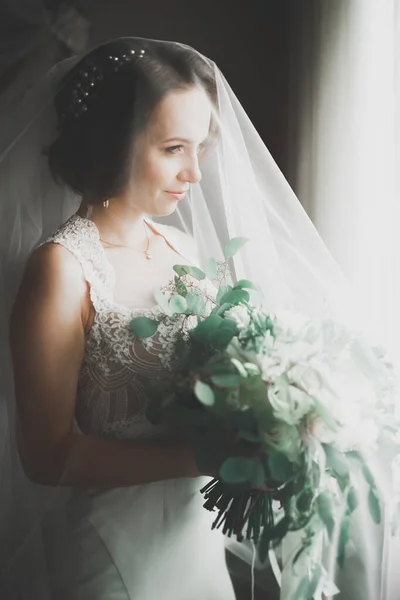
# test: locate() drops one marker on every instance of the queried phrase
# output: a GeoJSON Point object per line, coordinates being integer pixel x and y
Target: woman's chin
{"type": "Point", "coordinates": [165, 209]}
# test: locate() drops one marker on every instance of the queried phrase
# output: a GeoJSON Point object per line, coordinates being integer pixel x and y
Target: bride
{"type": "Point", "coordinates": [123, 163]}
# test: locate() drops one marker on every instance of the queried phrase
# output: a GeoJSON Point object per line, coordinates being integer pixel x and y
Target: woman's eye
{"type": "Point", "coordinates": [173, 149]}
{"type": "Point", "coordinates": [176, 149]}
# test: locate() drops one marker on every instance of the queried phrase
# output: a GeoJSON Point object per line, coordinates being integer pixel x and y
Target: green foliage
{"type": "Point", "coordinates": [280, 467]}
{"type": "Point", "coordinates": [143, 327]}
{"type": "Point", "coordinates": [222, 290]}
{"type": "Point", "coordinates": [219, 396]}
{"type": "Point", "coordinates": [196, 303]}
{"type": "Point", "coordinates": [245, 284]}
{"type": "Point", "coordinates": [194, 272]}
{"type": "Point", "coordinates": [211, 268]}
{"type": "Point", "coordinates": [235, 297]}
{"type": "Point", "coordinates": [337, 462]}
{"type": "Point", "coordinates": [204, 393]}
{"type": "Point", "coordinates": [271, 536]}
{"type": "Point", "coordinates": [237, 469]}
{"type": "Point", "coordinates": [344, 538]}
{"type": "Point", "coordinates": [325, 508]}
{"type": "Point", "coordinates": [352, 500]}
{"type": "Point", "coordinates": [234, 245]}
{"type": "Point", "coordinates": [374, 506]}
{"type": "Point", "coordinates": [308, 586]}
{"type": "Point", "coordinates": [226, 380]}
{"type": "Point", "coordinates": [178, 304]}
{"type": "Point", "coordinates": [180, 286]}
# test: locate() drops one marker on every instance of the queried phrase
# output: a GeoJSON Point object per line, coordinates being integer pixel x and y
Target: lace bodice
{"type": "Point", "coordinates": [117, 367]}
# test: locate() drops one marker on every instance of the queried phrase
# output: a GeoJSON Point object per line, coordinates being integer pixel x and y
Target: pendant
{"type": "Point", "coordinates": [148, 256]}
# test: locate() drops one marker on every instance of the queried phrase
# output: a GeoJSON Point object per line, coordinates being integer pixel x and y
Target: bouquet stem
{"type": "Point", "coordinates": [238, 508]}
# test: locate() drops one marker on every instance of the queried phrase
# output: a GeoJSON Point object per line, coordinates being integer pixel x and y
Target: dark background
{"type": "Point", "coordinates": [254, 43]}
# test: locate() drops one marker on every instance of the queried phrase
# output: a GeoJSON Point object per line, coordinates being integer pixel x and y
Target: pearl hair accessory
{"type": "Point", "coordinates": [89, 78]}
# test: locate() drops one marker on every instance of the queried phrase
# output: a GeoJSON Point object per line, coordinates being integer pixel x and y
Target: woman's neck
{"type": "Point", "coordinates": [118, 223]}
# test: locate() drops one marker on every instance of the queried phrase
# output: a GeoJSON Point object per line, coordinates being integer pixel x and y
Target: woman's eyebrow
{"type": "Point", "coordinates": [179, 139]}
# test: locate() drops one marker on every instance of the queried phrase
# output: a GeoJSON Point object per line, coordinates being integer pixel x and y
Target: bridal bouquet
{"type": "Point", "coordinates": [280, 408]}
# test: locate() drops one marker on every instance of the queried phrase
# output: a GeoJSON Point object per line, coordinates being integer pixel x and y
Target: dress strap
{"type": "Point", "coordinates": [81, 237]}
{"type": "Point", "coordinates": [181, 243]}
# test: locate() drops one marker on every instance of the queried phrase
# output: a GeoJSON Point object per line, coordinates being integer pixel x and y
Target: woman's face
{"type": "Point", "coordinates": [166, 155]}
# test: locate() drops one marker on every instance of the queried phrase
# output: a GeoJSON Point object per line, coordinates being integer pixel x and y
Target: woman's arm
{"type": "Point", "coordinates": [47, 336]}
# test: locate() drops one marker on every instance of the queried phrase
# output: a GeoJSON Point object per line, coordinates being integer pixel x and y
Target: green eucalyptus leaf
{"type": "Point", "coordinates": [374, 507]}
{"type": "Point", "coordinates": [223, 289]}
{"type": "Point", "coordinates": [178, 304]}
{"type": "Point", "coordinates": [227, 381]}
{"type": "Point", "coordinates": [336, 461]}
{"type": "Point", "coordinates": [246, 284]}
{"type": "Point", "coordinates": [236, 469]}
{"type": "Point", "coordinates": [305, 500]}
{"type": "Point", "coordinates": [209, 454]}
{"type": "Point", "coordinates": [249, 436]}
{"type": "Point", "coordinates": [279, 465]}
{"type": "Point", "coordinates": [181, 270]}
{"type": "Point", "coordinates": [235, 296]}
{"type": "Point", "coordinates": [194, 272]}
{"type": "Point", "coordinates": [272, 535]}
{"type": "Point", "coordinates": [143, 327]}
{"type": "Point", "coordinates": [204, 393]}
{"type": "Point", "coordinates": [325, 511]}
{"type": "Point", "coordinates": [205, 328]}
{"type": "Point", "coordinates": [221, 309]}
{"type": "Point", "coordinates": [258, 474]}
{"type": "Point", "coordinates": [352, 500]}
{"type": "Point", "coordinates": [211, 268]}
{"type": "Point", "coordinates": [239, 367]}
{"type": "Point", "coordinates": [368, 476]}
{"type": "Point", "coordinates": [221, 338]}
{"type": "Point", "coordinates": [180, 286]}
{"type": "Point", "coordinates": [244, 420]}
{"type": "Point", "coordinates": [195, 303]}
{"type": "Point", "coordinates": [252, 369]}
{"type": "Point", "coordinates": [344, 538]}
{"type": "Point", "coordinates": [218, 368]}
{"type": "Point", "coordinates": [234, 245]}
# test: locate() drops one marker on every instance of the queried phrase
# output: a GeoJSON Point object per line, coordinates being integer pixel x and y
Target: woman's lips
{"type": "Point", "coordinates": [178, 196]}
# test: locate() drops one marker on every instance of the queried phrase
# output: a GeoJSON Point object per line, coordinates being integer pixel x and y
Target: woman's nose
{"type": "Point", "coordinates": [191, 172]}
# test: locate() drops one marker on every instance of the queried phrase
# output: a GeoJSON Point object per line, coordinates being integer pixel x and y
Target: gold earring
{"type": "Point", "coordinates": [106, 203]}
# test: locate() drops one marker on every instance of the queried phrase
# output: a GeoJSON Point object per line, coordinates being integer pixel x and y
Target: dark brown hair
{"type": "Point", "coordinates": [107, 99]}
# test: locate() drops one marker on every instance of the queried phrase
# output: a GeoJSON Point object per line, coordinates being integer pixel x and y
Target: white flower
{"type": "Point", "coordinates": [320, 430]}
{"type": "Point", "coordinates": [271, 368]}
{"type": "Point", "coordinates": [240, 315]}
{"type": "Point", "coordinates": [307, 377]}
{"type": "Point", "coordinates": [288, 402]}
{"type": "Point", "coordinates": [290, 321]}
{"type": "Point", "coordinates": [286, 439]}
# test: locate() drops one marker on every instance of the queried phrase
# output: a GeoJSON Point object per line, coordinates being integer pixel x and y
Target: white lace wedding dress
{"type": "Point", "coordinates": [144, 542]}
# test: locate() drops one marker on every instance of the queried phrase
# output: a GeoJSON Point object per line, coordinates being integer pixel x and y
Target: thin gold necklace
{"type": "Point", "coordinates": [145, 252]}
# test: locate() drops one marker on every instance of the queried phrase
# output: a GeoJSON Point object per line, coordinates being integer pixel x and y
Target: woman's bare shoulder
{"type": "Point", "coordinates": [52, 272]}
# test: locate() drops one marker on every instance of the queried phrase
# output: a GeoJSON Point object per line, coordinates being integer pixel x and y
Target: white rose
{"type": "Point", "coordinates": [320, 430]}
{"type": "Point", "coordinates": [240, 315]}
{"type": "Point", "coordinates": [306, 377]}
{"type": "Point", "coordinates": [288, 402]}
